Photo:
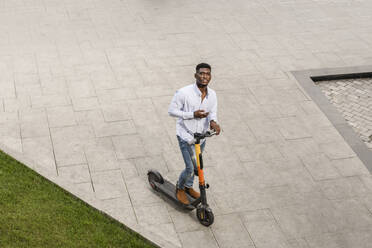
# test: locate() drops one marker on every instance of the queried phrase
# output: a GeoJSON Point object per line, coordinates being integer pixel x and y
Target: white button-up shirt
{"type": "Point", "coordinates": [185, 102]}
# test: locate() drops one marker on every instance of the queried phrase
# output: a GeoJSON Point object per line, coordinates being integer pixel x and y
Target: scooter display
{"type": "Point", "coordinates": [203, 211]}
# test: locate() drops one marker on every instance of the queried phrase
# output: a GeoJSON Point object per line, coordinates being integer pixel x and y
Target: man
{"type": "Point", "coordinates": [195, 106]}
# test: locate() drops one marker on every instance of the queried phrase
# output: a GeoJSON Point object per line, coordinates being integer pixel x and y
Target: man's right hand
{"type": "Point", "coordinates": [200, 114]}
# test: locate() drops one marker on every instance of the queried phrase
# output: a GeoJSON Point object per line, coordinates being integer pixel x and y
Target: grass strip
{"type": "Point", "coordinates": [35, 212]}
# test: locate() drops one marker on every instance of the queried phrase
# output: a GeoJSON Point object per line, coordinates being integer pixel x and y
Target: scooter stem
{"type": "Point", "coordinates": [199, 162]}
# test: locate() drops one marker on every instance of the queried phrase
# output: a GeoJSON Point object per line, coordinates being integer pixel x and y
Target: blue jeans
{"type": "Point", "coordinates": [186, 178]}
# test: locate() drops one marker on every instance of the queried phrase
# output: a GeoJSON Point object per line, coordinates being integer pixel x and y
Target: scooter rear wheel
{"type": "Point", "coordinates": [154, 176]}
{"type": "Point", "coordinates": [205, 216]}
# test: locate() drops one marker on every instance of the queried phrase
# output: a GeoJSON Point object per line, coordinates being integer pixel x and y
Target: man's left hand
{"type": "Point", "coordinates": [215, 127]}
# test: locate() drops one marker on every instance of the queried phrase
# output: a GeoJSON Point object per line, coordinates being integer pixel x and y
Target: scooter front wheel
{"type": "Point", "coordinates": [205, 216]}
{"type": "Point", "coordinates": [154, 176]}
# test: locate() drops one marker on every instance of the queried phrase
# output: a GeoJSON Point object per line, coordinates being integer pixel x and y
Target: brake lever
{"type": "Point", "coordinates": [209, 134]}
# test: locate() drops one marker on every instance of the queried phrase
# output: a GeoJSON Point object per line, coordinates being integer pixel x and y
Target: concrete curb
{"type": "Point", "coordinates": [307, 79]}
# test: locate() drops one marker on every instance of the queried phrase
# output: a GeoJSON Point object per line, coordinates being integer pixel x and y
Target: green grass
{"type": "Point", "coordinates": [37, 213]}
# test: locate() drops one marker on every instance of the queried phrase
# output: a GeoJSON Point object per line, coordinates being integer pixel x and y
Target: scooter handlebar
{"type": "Point", "coordinates": [199, 136]}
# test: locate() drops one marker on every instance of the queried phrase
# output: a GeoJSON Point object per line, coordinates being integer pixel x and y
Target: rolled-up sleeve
{"type": "Point", "coordinates": [176, 107]}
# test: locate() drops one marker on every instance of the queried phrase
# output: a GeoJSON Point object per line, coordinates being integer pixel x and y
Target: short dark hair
{"type": "Point", "coordinates": [203, 65]}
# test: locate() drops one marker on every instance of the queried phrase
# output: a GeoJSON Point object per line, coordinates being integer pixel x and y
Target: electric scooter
{"type": "Point", "coordinates": [203, 211]}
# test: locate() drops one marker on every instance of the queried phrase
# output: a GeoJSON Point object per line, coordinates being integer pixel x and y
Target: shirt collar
{"type": "Point", "coordinates": [197, 90]}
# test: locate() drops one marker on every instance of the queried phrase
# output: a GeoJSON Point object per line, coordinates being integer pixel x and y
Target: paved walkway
{"type": "Point", "coordinates": [85, 86]}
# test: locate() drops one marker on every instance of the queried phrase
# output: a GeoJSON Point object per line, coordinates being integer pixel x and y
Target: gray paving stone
{"type": "Point", "coordinates": [264, 130]}
{"type": "Point", "coordinates": [10, 118]}
{"type": "Point", "coordinates": [337, 150]}
{"type": "Point", "coordinates": [150, 162]}
{"type": "Point", "coordinates": [128, 168]}
{"type": "Point", "coordinates": [174, 161]}
{"type": "Point", "coordinates": [283, 84]}
{"type": "Point", "coordinates": [152, 214]}
{"type": "Point", "coordinates": [155, 140]}
{"type": "Point", "coordinates": [291, 96]}
{"type": "Point", "coordinates": [34, 129]}
{"type": "Point", "coordinates": [54, 100]}
{"type": "Point", "coordinates": [367, 180]}
{"type": "Point", "coordinates": [350, 167]}
{"type": "Point", "coordinates": [292, 149]}
{"type": "Point", "coordinates": [128, 146]}
{"type": "Point", "coordinates": [103, 79]}
{"type": "Point", "coordinates": [326, 240]}
{"type": "Point", "coordinates": [116, 111]}
{"type": "Point", "coordinates": [88, 117]}
{"type": "Point", "coordinates": [143, 113]}
{"type": "Point", "coordinates": [108, 184]}
{"type": "Point", "coordinates": [83, 190]}
{"type": "Point", "coordinates": [13, 143]}
{"type": "Point", "coordinates": [256, 215]}
{"type": "Point", "coordinates": [244, 153]}
{"type": "Point", "coordinates": [165, 231]}
{"type": "Point", "coordinates": [237, 201]}
{"type": "Point", "coordinates": [335, 240]}
{"type": "Point", "coordinates": [229, 231]}
{"type": "Point", "coordinates": [82, 104]}
{"type": "Point", "coordinates": [40, 149]}
{"type": "Point", "coordinates": [353, 215]}
{"type": "Point", "coordinates": [121, 209]}
{"type": "Point", "coordinates": [297, 222]}
{"type": "Point", "coordinates": [185, 221]}
{"type": "Point", "coordinates": [262, 174]}
{"type": "Point", "coordinates": [203, 238]}
{"type": "Point", "coordinates": [289, 109]}
{"type": "Point", "coordinates": [292, 128]}
{"type": "Point", "coordinates": [52, 86]}
{"type": "Point", "coordinates": [75, 173]}
{"type": "Point", "coordinates": [367, 201]}
{"type": "Point", "coordinates": [31, 115]}
{"type": "Point", "coordinates": [100, 155]}
{"type": "Point", "coordinates": [271, 111]}
{"type": "Point", "coordinates": [8, 90]}
{"type": "Point", "coordinates": [299, 243]}
{"type": "Point", "coordinates": [113, 95]}
{"type": "Point", "coordinates": [343, 188]}
{"type": "Point", "coordinates": [326, 135]}
{"type": "Point", "coordinates": [151, 91]}
{"type": "Point", "coordinates": [310, 107]}
{"type": "Point", "coordinates": [140, 191]}
{"type": "Point", "coordinates": [264, 94]}
{"type": "Point", "coordinates": [265, 152]}
{"type": "Point", "coordinates": [68, 144]}
{"type": "Point", "coordinates": [220, 146]}
{"type": "Point", "coordinates": [15, 104]}
{"type": "Point", "coordinates": [230, 167]}
{"type": "Point", "coordinates": [118, 128]}
{"type": "Point", "coordinates": [61, 116]}
{"type": "Point", "coordinates": [320, 166]}
{"type": "Point", "coordinates": [266, 234]}
{"type": "Point", "coordinates": [27, 85]}
{"type": "Point", "coordinates": [10, 130]}
{"type": "Point", "coordinates": [285, 195]}
{"type": "Point", "coordinates": [315, 121]}
{"type": "Point", "coordinates": [295, 175]}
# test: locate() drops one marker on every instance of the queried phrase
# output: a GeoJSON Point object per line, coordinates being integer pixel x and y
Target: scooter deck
{"type": "Point", "coordinates": [169, 189]}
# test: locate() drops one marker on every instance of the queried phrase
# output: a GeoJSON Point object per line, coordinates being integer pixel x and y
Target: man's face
{"type": "Point", "coordinates": [203, 76]}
